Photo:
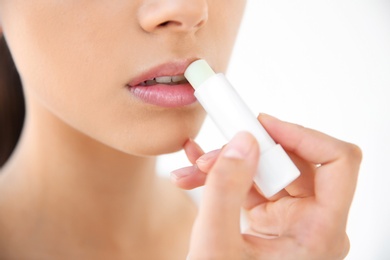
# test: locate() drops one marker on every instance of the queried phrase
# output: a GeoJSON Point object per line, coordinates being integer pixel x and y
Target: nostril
{"type": "Point", "coordinates": [201, 23]}
{"type": "Point", "coordinates": [169, 23]}
{"type": "Point", "coordinates": [175, 16]}
{"type": "Point", "coordinates": [164, 24]}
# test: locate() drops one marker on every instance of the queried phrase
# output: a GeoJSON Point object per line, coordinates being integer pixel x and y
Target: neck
{"type": "Point", "coordinates": [79, 184]}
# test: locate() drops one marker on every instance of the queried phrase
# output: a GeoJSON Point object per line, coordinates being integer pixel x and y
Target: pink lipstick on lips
{"type": "Point", "coordinates": [164, 86]}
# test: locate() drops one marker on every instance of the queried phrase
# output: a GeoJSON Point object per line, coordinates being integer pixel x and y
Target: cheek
{"type": "Point", "coordinates": [76, 63]}
{"type": "Point", "coordinates": [77, 66]}
{"type": "Point", "coordinates": [224, 21]}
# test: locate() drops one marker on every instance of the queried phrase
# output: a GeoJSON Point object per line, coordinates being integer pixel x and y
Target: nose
{"type": "Point", "coordinates": [173, 15]}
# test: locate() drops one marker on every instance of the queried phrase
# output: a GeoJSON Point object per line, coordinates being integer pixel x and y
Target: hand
{"type": "Point", "coordinates": [307, 220]}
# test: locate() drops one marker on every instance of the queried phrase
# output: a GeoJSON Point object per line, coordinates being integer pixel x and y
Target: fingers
{"type": "Point", "coordinates": [194, 176]}
{"type": "Point", "coordinates": [335, 179]}
{"type": "Point", "coordinates": [253, 199]}
{"type": "Point", "coordinates": [192, 150]}
{"type": "Point", "coordinates": [206, 161]}
{"type": "Point", "coordinates": [311, 145]}
{"type": "Point", "coordinates": [227, 185]}
{"type": "Point", "coordinates": [303, 186]}
{"type": "Point", "coordinates": [188, 177]}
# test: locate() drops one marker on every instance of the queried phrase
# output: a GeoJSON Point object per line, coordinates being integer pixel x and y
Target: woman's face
{"type": "Point", "coordinates": [92, 63]}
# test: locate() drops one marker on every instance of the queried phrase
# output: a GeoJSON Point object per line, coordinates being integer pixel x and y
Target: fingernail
{"type": "Point", "coordinates": [239, 147]}
{"type": "Point", "coordinates": [208, 156]}
{"type": "Point", "coordinates": [192, 142]}
{"type": "Point", "coordinates": [264, 116]}
{"type": "Point", "coordinates": [183, 172]}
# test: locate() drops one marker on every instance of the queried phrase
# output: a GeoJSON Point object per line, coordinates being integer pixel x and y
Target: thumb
{"type": "Point", "coordinates": [227, 185]}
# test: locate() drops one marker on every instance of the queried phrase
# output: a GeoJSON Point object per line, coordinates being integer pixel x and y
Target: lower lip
{"type": "Point", "coordinates": [171, 96]}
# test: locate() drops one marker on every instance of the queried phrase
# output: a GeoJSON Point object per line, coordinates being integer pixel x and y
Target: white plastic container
{"type": "Point", "coordinates": [232, 115]}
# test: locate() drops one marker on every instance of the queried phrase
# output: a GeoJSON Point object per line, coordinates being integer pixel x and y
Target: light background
{"type": "Point", "coordinates": [324, 65]}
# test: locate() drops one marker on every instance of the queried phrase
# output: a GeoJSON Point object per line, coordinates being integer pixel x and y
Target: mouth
{"type": "Point", "coordinates": [166, 80]}
{"type": "Point", "coordinates": [164, 85]}
{"type": "Point", "coordinates": [171, 73]}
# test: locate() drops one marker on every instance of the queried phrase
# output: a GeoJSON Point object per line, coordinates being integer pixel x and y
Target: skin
{"type": "Point", "coordinates": [307, 220]}
{"type": "Point", "coordinates": [84, 169]}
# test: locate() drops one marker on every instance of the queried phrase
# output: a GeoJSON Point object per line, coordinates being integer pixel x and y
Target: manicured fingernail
{"type": "Point", "coordinates": [239, 147]}
{"type": "Point", "coordinates": [208, 156]}
{"type": "Point", "coordinates": [183, 172]}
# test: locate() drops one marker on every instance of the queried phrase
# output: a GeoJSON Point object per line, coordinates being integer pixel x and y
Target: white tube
{"type": "Point", "coordinates": [232, 115]}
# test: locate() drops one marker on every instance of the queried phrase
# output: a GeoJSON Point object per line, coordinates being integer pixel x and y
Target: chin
{"type": "Point", "coordinates": [159, 147]}
{"type": "Point", "coordinates": [156, 133]}
{"type": "Point", "coordinates": [171, 133]}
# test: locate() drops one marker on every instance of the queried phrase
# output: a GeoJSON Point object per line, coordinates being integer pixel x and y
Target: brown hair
{"type": "Point", "coordinates": [12, 107]}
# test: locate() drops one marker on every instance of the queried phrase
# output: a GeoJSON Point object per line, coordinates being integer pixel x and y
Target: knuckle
{"type": "Point", "coordinates": [357, 152]}
{"type": "Point", "coordinates": [345, 248]}
{"type": "Point", "coordinates": [353, 152]}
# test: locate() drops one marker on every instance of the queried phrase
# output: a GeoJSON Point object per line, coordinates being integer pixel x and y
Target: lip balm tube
{"type": "Point", "coordinates": [231, 115]}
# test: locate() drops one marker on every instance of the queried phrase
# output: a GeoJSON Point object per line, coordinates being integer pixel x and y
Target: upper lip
{"type": "Point", "coordinates": [175, 68]}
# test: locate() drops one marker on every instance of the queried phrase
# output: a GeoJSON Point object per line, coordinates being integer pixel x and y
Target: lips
{"type": "Point", "coordinates": [164, 86]}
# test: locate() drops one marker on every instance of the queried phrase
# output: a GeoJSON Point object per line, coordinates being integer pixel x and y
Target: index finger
{"type": "Point", "coordinates": [192, 150]}
{"type": "Point", "coordinates": [335, 179]}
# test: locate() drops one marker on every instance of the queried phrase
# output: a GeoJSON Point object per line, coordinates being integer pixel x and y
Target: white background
{"type": "Point", "coordinates": [324, 65]}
